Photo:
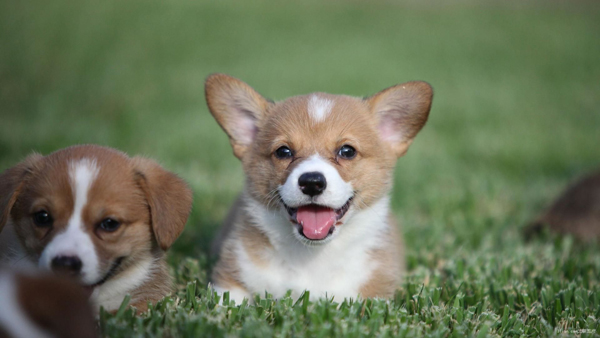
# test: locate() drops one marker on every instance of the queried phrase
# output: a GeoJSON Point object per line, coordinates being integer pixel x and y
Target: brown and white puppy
{"type": "Point", "coordinates": [315, 211]}
{"type": "Point", "coordinates": [41, 305]}
{"type": "Point", "coordinates": [97, 215]}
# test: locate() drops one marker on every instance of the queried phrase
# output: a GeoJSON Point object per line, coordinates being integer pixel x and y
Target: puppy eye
{"type": "Point", "coordinates": [42, 219]}
{"type": "Point", "coordinates": [347, 152]}
{"type": "Point", "coordinates": [283, 152]}
{"type": "Point", "coordinates": [109, 225]}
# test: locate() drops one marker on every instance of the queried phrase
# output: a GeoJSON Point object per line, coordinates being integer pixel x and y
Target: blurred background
{"type": "Point", "coordinates": [515, 117]}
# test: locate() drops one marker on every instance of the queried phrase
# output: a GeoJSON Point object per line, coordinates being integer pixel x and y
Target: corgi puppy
{"type": "Point", "coordinates": [97, 215]}
{"type": "Point", "coordinates": [315, 211]}
{"type": "Point", "coordinates": [38, 305]}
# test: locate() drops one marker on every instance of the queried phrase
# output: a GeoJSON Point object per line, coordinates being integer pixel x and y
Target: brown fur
{"type": "Point", "coordinates": [386, 277]}
{"type": "Point", "coordinates": [11, 182]}
{"type": "Point", "coordinates": [257, 127]}
{"type": "Point", "coordinates": [159, 285]}
{"type": "Point", "coordinates": [370, 172]}
{"type": "Point", "coordinates": [237, 98]}
{"type": "Point", "coordinates": [169, 207]}
{"type": "Point", "coordinates": [226, 273]}
{"type": "Point", "coordinates": [404, 107]}
{"type": "Point", "coordinates": [576, 211]}
{"type": "Point", "coordinates": [227, 227]}
{"type": "Point", "coordinates": [255, 240]}
{"type": "Point", "coordinates": [56, 305]}
{"type": "Point", "coordinates": [151, 204]}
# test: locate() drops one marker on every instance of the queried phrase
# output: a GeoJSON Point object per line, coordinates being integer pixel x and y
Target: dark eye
{"type": "Point", "coordinates": [347, 152]}
{"type": "Point", "coordinates": [109, 225]}
{"type": "Point", "coordinates": [283, 152]}
{"type": "Point", "coordinates": [42, 219]}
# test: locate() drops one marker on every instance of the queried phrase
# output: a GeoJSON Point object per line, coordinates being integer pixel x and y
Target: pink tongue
{"type": "Point", "coordinates": [315, 220]}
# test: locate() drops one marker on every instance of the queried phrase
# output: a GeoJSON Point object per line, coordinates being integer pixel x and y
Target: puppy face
{"type": "Point", "coordinates": [318, 157]}
{"type": "Point", "coordinates": [90, 211]}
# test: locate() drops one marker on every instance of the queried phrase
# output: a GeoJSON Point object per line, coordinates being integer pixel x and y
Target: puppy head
{"type": "Point", "coordinates": [91, 211]}
{"type": "Point", "coordinates": [318, 157]}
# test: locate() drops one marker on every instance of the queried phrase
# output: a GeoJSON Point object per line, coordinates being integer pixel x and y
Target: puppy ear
{"type": "Point", "coordinates": [237, 108]}
{"type": "Point", "coordinates": [11, 181]}
{"type": "Point", "coordinates": [402, 111]}
{"type": "Point", "coordinates": [169, 199]}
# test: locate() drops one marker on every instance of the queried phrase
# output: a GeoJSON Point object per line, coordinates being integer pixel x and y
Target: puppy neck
{"type": "Point", "coordinates": [110, 294]}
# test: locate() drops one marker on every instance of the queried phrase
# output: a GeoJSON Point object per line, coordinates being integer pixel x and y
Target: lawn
{"type": "Point", "coordinates": [515, 118]}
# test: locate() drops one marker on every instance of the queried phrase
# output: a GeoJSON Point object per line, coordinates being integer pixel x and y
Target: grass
{"type": "Point", "coordinates": [515, 118]}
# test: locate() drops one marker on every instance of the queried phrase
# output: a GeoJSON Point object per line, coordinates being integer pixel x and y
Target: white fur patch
{"type": "Point", "coordinates": [110, 294]}
{"type": "Point", "coordinates": [13, 319]}
{"type": "Point", "coordinates": [336, 194]}
{"type": "Point", "coordinates": [74, 240]}
{"type": "Point", "coordinates": [337, 269]}
{"type": "Point", "coordinates": [319, 108]}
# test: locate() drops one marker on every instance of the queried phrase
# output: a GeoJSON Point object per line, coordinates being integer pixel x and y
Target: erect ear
{"type": "Point", "coordinates": [11, 181]}
{"type": "Point", "coordinates": [402, 111]}
{"type": "Point", "coordinates": [169, 199]}
{"type": "Point", "coordinates": [237, 108]}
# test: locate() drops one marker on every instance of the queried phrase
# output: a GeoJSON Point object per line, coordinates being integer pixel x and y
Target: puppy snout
{"type": "Point", "coordinates": [312, 184]}
{"type": "Point", "coordinates": [67, 264]}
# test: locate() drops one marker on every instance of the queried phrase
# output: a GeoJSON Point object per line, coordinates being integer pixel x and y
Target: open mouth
{"type": "Point", "coordinates": [316, 222]}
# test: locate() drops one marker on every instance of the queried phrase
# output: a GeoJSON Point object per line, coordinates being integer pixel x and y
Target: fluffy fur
{"type": "Point", "coordinates": [80, 188]}
{"type": "Point", "coordinates": [265, 244]}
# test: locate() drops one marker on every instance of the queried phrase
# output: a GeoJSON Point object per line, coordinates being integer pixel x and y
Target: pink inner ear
{"type": "Point", "coordinates": [388, 129]}
{"type": "Point", "coordinates": [245, 127]}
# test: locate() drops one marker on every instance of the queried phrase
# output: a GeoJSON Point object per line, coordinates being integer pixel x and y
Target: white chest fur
{"type": "Point", "coordinates": [338, 268]}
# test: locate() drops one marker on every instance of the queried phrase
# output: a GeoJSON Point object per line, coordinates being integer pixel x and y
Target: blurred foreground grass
{"type": "Point", "coordinates": [515, 117]}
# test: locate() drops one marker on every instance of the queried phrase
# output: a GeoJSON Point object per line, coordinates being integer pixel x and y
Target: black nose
{"type": "Point", "coordinates": [312, 184]}
{"type": "Point", "coordinates": [67, 264]}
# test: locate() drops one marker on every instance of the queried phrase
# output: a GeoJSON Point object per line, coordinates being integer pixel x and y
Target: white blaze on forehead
{"type": "Point", "coordinates": [336, 194]}
{"type": "Point", "coordinates": [13, 318]}
{"type": "Point", "coordinates": [74, 240]}
{"type": "Point", "coordinates": [319, 108]}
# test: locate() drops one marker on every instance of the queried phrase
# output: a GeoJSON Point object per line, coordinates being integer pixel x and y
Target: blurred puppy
{"type": "Point", "coordinates": [315, 211]}
{"type": "Point", "coordinates": [576, 211]}
{"type": "Point", "coordinates": [96, 215]}
{"type": "Point", "coordinates": [42, 305]}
